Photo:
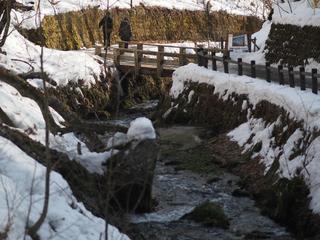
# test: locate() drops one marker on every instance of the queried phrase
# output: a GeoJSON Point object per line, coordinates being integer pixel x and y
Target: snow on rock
{"type": "Point", "coordinates": [22, 185]}
{"type": "Point", "coordinates": [301, 106]}
{"type": "Point", "coordinates": [141, 128]}
{"type": "Point", "coordinates": [117, 140]}
{"type": "Point", "coordinates": [62, 66]}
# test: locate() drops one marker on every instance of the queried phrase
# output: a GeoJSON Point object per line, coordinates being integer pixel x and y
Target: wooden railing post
{"type": "Point", "coordinates": [137, 59]}
{"type": "Point", "coordinates": [160, 60]}
{"type": "Point", "coordinates": [302, 79]}
{"type": "Point", "coordinates": [121, 44]}
{"type": "Point", "coordinates": [240, 67]}
{"type": "Point", "coordinates": [182, 56]}
{"type": "Point", "coordinates": [254, 44]}
{"type": "Point", "coordinates": [205, 59]}
{"type": "Point", "coordinates": [97, 49]}
{"type": "Point", "coordinates": [268, 72]}
{"type": "Point", "coordinates": [199, 56]}
{"type": "Point", "coordinates": [116, 57]}
{"type": "Point", "coordinates": [137, 62]}
{"type": "Point", "coordinates": [221, 43]}
{"type": "Point", "coordinates": [281, 75]}
{"type": "Point", "coordinates": [249, 42]}
{"type": "Point", "coordinates": [225, 64]}
{"type": "Point", "coordinates": [314, 81]}
{"type": "Point", "coordinates": [140, 47]}
{"type": "Point", "coordinates": [291, 77]}
{"type": "Point", "coordinates": [214, 61]}
{"type": "Point", "coordinates": [253, 69]}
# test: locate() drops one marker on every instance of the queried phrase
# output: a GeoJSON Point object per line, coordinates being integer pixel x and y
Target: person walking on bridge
{"type": "Point", "coordinates": [125, 31]}
{"type": "Point", "coordinates": [107, 24]}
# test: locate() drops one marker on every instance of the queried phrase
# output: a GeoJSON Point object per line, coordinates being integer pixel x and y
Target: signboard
{"type": "Point", "coordinates": [238, 43]}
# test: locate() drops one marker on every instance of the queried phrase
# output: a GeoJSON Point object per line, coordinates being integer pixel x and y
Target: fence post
{"type": "Point", "coordinates": [200, 56]}
{"type": "Point", "coordinates": [254, 44]}
{"type": "Point", "coordinates": [221, 43]}
{"type": "Point", "coordinates": [116, 57]}
{"type": "Point", "coordinates": [137, 62]}
{"type": "Point", "coordinates": [140, 47]}
{"type": "Point", "coordinates": [205, 58]}
{"type": "Point", "coordinates": [268, 72]}
{"type": "Point", "coordinates": [225, 64]}
{"type": "Point", "coordinates": [214, 61]}
{"type": "Point", "coordinates": [291, 77]}
{"type": "Point", "coordinates": [253, 69]}
{"type": "Point", "coordinates": [314, 81]}
{"type": "Point", "coordinates": [160, 61]}
{"type": "Point", "coordinates": [302, 79]}
{"type": "Point", "coordinates": [281, 75]}
{"type": "Point", "coordinates": [97, 49]}
{"type": "Point", "coordinates": [249, 42]}
{"type": "Point", "coordinates": [182, 57]}
{"type": "Point", "coordinates": [240, 68]}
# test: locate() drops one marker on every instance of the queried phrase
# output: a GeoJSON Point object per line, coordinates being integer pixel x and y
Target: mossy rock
{"type": "Point", "coordinates": [210, 214]}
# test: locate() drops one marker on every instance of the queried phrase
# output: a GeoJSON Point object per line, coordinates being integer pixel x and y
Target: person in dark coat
{"type": "Point", "coordinates": [107, 24]}
{"type": "Point", "coordinates": [125, 32]}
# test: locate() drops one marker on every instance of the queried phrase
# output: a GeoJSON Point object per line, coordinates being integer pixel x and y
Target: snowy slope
{"type": "Point", "coordinates": [22, 186]}
{"type": "Point", "coordinates": [242, 7]}
{"type": "Point", "coordinates": [22, 178]}
{"type": "Point", "coordinates": [62, 66]}
{"type": "Point", "coordinates": [297, 13]}
{"type": "Point", "coordinates": [301, 106]}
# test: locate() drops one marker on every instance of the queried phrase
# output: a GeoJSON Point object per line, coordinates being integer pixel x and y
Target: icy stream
{"type": "Point", "coordinates": [177, 192]}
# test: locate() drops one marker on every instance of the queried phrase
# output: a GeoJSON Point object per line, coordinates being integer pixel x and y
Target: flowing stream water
{"type": "Point", "coordinates": [178, 191]}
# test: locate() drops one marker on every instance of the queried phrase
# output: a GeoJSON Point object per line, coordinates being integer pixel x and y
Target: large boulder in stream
{"type": "Point", "coordinates": [130, 171]}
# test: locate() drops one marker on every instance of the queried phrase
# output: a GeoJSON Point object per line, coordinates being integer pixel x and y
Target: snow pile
{"type": "Point", "coordinates": [242, 7]}
{"type": "Point", "coordinates": [301, 106]}
{"type": "Point", "coordinates": [296, 13]}
{"type": "Point", "coordinates": [141, 128]}
{"type": "Point", "coordinates": [258, 56]}
{"type": "Point", "coordinates": [22, 186]}
{"type": "Point", "coordinates": [61, 66]}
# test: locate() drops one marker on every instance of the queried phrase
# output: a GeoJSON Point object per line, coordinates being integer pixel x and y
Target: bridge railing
{"type": "Point", "coordinates": [162, 57]}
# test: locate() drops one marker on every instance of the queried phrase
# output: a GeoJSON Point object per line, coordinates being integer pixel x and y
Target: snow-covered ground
{"type": "Point", "coordinates": [301, 106]}
{"type": "Point", "coordinates": [242, 7]}
{"type": "Point", "coordinates": [62, 66]}
{"type": "Point", "coordinates": [22, 195]}
{"type": "Point", "coordinates": [297, 13]}
{"type": "Point", "coordinates": [22, 178]}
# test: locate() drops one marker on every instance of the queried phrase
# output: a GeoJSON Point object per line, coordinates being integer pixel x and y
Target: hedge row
{"type": "Point", "coordinates": [74, 30]}
{"type": "Point", "coordinates": [293, 45]}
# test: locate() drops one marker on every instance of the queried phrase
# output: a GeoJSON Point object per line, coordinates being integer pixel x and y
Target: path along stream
{"type": "Point", "coordinates": [185, 177]}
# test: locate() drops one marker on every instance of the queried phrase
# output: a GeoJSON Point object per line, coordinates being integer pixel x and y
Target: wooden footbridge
{"type": "Point", "coordinates": [161, 61]}
{"type": "Point", "coordinates": [155, 59]}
